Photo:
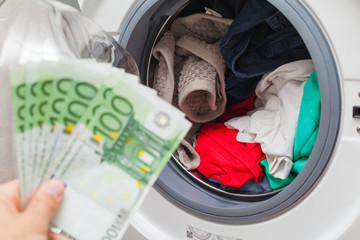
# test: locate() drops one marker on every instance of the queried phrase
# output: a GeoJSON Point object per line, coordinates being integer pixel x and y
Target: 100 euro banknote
{"type": "Point", "coordinates": [109, 149]}
{"type": "Point", "coordinates": [68, 102]}
{"type": "Point", "coordinates": [18, 104]}
{"type": "Point", "coordinates": [111, 161]}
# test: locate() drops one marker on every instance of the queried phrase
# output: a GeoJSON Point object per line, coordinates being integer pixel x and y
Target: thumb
{"type": "Point", "coordinates": [45, 202]}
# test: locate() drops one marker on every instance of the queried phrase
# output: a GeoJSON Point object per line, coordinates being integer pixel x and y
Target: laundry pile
{"type": "Point", "coordinates": [249, 87]}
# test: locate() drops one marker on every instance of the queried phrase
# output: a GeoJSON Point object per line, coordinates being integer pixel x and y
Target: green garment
{"type": "Point", "coordinates": [308, 124]}
{"type": "Point", "coordinates": [306, 132]}
{"type": "Point", "coordinates": [276, 183]}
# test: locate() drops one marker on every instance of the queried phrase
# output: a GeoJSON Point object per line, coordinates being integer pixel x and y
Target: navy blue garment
{"type": "Point", "coordinates": [259, 40]}
{"type": "Point", "coordinates": [236, 90]}
{"type": "Point", "coordinates": [227, 8]}
{"type": "Point", "coordinates": [250, 187]}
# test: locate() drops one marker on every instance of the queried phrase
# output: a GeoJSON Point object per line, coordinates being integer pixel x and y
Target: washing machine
{"type": "Point", "coordinates": [323, 201]}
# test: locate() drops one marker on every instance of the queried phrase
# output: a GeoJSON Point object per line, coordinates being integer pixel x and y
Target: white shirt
{"type": "Point", "coordinates": [274, 121]}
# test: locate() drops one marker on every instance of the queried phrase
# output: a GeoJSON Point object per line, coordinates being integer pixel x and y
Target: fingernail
{"type": "Point", "coordinates": [55, 188]}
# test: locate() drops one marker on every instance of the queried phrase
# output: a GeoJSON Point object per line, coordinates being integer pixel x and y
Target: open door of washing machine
{"type": "Point", "coordinates": [322, 202]}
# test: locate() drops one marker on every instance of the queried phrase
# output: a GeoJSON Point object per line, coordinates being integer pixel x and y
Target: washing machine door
{"type": "Point", "coordinates": [320, 203]}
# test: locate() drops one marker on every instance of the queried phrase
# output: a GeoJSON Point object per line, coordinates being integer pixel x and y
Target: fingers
{"type": "Point", "coordinates": [45, 202]}
{"type": "Point", "coordinates": [10, 195]}
{"type": "Point", "coordinates": [55, 236]}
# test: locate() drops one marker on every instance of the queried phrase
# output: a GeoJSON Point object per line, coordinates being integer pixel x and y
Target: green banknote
{"type": "Point", "coordinates": [45, 72]}
{"type": "Point", "coordinates": [37, 90]}
{"type": "Point", "coordinates": [114, 155]}
{"type": "Point", "coordinates": [99, 130]}
{"type": "Point", "coordinates": [30, 93]}
{"type": "Point", "coordinates": [116, 76]}
{"type": "Point", "coordinates": [18, 85]}
{"type": "Point", "coordinates": [86, 80]}
{"type": "Point", "coordinates": [61, 86]}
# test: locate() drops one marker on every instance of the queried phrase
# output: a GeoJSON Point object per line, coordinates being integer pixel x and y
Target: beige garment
{"type": "Point", "coordinates": [186, 153]}
{"type": "Point", "coordinates": [202, 94]}
{"type": "Point", "coordinates": [200, 35]}
{"type": "Point", "coordinates": [190, 74]}
{"type": "Point", "coordinates": [198, 72]}
{"type": "Point", "coordinates": [166, 75]}
{"type": "Point", "coordinates": [164, 79]}
{"type": "Point", "coordinates": [204, 27]}
{"type": "Point", "coordinates": [197, 90]}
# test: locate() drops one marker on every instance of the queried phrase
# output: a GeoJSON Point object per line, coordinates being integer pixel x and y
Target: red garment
{"type": "Point", "coordinates": [199, 175]}
{"type": "Point", "coordinates": [223, 158]}
{"type": "Point", "coordinates": [237, 109]}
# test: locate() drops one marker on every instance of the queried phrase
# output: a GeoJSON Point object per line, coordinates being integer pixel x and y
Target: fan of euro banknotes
{"type": "Point", "coordinates": [105, 135]}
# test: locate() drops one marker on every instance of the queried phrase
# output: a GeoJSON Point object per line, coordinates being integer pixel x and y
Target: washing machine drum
{"type": "Point", "coordinates": [147, 23]}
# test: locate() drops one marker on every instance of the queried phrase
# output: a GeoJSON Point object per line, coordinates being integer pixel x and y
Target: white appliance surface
{"type": "Point", "coordinates": [331, 210]}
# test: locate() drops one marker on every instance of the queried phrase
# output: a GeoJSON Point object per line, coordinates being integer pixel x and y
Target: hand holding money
{"type": "Point", "coordinates": [106, 136]}
{"type": "Point", "coordinates": [33, 223]}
